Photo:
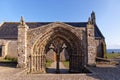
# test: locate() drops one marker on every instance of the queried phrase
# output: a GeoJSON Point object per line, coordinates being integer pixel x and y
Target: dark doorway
{"type": "Point", "coordinates": [102, 50]}
{"type": "Point", "coordinates": [1, 51]}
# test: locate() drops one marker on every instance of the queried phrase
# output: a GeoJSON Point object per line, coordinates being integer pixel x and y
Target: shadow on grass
{"type": "Point", "coordinates": [8, 64]}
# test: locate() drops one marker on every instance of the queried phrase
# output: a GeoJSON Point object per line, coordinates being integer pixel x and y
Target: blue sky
{"type": "Point", "coordinates": [107, 14]}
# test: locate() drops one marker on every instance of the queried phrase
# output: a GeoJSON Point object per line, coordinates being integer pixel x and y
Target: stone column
{"type": "Point", "coordinates": [22, 44]}
{"type": "Point", "coordinates": [91, 48]}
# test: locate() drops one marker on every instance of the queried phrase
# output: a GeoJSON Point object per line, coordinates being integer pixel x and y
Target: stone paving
{"type": "Point", "coordinates": [107, 72]}
{"type": "Point", "coordinates": [101, 72]}
{"type": "Point", "coordinates": [15, 75]}
{"type": "Point", "coordinates": [52, 68]}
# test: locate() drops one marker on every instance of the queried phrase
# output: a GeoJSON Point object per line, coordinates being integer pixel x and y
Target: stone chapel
{"type": "Point", "coordinates": [32, 43]}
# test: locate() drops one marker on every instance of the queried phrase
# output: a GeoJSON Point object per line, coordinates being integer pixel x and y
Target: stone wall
{"type": "Point", "coordinates": [4, 45]}
{"type": "Point", "coordinates": [39, 40]}
{"type": "Point", "coordinates": [22, 44]}
{"type": "Point", "coordinates": [33, 44]}
{"type": "Point", "coordinates": [12, 49]}
{"type": "Point", "coordinates": [9, 48]}
{"type": "Point", "coordinates": [35, 34]}
{"type": "Point", "coordinates": [91, 46]}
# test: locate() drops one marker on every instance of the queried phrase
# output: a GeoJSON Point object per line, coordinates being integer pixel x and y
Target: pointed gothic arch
{"type": "Point", "coordinates": [54, 36]}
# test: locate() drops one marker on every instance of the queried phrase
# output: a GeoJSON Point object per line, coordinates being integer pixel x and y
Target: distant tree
{"type": "Point", "coordinates": [113, 52]}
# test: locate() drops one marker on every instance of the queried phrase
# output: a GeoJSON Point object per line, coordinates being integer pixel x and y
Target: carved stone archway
{"type": "Point", "coordinates": [37, 59]}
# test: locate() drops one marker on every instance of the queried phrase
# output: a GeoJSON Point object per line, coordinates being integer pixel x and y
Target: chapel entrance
{"type": "Point", "coordinates": [57, 40]}
{"type": "Point", "coordinates": [60, 57]}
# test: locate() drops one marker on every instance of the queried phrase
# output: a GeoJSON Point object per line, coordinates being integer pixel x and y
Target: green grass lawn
{"type": "Point", "coordinates": [112, 55]}
{"type": "Point", "coordinates": [48, 63]}
{"type": "Point", "coordinates": [4, 60]}
{"type": "Point", "coordinates": [66, 64]}
{"type": "Point", "coordinates": [8, 59]}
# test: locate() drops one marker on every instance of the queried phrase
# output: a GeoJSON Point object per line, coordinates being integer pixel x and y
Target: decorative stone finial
{"type": "Point", "coordinates": [93, 17]}
{"type": "Point", "coordinates": [93, 12]}
{"type": "Point", "coordinates": [22, 22]}
{"type": "Point", "coordinates": [89, 20]}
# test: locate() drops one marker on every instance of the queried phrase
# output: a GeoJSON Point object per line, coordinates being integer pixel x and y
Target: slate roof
{"type": "Point", "coordinates": [9, 30]}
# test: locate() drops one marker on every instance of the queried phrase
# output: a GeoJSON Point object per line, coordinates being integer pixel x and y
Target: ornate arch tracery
{"type": "Point", "coordinates": [56, 36]}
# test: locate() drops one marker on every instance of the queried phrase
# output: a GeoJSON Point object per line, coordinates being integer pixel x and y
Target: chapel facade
{"type": "Point", "coordinates": [32, 43]}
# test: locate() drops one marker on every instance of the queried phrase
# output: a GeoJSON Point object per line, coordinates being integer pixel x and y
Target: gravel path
{"type": "Point", "coordinates": [53, 65]}
{"type": "Point", "coordinates": [107, 72]}
{"type": "Point", "coordinates": [14, 74]}
{"type": "Point", "coordinates": [101, 72]}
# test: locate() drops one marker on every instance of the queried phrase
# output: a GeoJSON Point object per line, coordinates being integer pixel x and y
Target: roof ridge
{"type": "Point", "coordinates": [2, 23]}
{"type": "Point", "coordinates": [45, 22]}
{"type": "Point", "coordinates": [11, 22]}
{"type": "Point", "coordinates": [99, 31]}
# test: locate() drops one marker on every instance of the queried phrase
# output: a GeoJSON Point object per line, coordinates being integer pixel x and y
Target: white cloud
{"type": "Point", "coordinates": [113, 46]}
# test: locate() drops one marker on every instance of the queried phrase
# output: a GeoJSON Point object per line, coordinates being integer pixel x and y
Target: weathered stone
{"type": "Point", "coordinates": [79, 43]}
{"type": "Point", "coordinates": [22, 45]}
